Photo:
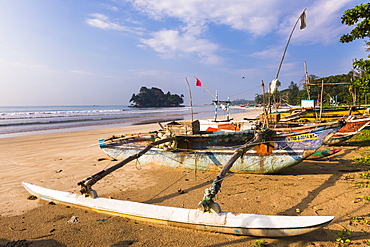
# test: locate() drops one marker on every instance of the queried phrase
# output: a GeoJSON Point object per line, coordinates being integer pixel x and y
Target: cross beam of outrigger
{"type": "Point", "coordinates": [207, 204]}
{"type": "Point", "coordinates": [90, 181]}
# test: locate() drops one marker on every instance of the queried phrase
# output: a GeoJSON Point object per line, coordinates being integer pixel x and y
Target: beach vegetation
{"type": "Point", "coordinates": [260, 243]}
{"type": "Point", "coordinates": [336, 89]}
{"type": "Point", "coordinates": [362, 160]}
{"type": "Point", "coordinates": [155, 97]}
{"type": "Point", "coordinates": [359, 18]}
{"type": "Point", "coordinates": [343, 236]}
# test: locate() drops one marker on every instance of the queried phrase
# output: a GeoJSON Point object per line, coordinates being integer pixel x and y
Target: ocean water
{"type": "Point", "coordinates": [28, 120]}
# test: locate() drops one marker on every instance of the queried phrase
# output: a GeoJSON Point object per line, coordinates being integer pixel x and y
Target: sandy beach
{"type": "Point", "coordinates": [333, 186]}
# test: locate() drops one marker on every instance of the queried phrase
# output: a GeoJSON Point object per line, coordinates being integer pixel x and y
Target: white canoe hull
{"type": "Point", "coordinates": [224, 222]}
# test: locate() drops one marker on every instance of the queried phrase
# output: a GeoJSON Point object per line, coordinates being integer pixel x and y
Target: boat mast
{"type": "Point", "coordinates": [307, 81]}
{"type": "Point", "coordinates": [302, 17]}
{"type": "Point", "coordinates": [191, 100]}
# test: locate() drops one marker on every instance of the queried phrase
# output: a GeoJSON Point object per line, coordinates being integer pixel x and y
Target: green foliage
{"type": "Point", "coordinates": [362, 138]}
{"type": "Point", "coordinates": [363, 184]}
{"type": "Point", "coordinates": [293, 95]}
{"type": "Point", "coordinates": [365, 175]}
{"type": "Point", "coordinates": [362, 198]}
{"type": "Point", "coordinates": [343, 236]}
{"type": "Point", "coordinates": [362, 160]}
{"type": "Point", "coordinates": [154, 97]}
{"type": "Point", "coordinates": [259, 243]}
{"type": "Point", "coordinates": [362, 66]}
{"type": "Point", "coordinates": [242, 102]}
{"type": "Point", "coordinates": [359, 15]}
{"type": "Point", "coordinates": [258, 99]}
{"type": "Point", "coordinates": [340, 91]}
{"type": "Point", "coordinates": [360, 220]}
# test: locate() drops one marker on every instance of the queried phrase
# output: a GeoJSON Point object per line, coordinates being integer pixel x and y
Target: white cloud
{"type": "Point", "coordinates": [81, 72]}
{"type": "Point", "coordinates": [172, 43]}
{"type": "Point", "coordinates": [90, 74]}
{"type": "Point", "coordinates": [256, 17]}
{"type": "Point", "coordinates": [102, 21]}
{"type": "Point", "coordinates": [270, 53]}
{"type": "Point", "coordinates": [190, 21]}
{"type": "Point", "coordinates": [110, 7]}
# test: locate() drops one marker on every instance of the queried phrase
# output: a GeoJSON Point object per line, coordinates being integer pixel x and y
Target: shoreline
{"type": "Point", "coordinates": [175, 117]}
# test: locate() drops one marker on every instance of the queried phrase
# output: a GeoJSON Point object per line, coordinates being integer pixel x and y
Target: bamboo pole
{"type": "Point", "coordinates": [307, 81]}
{"type": "Point", "coordinates": [321, 96]}
{"type": "Point", "coordinates": [191, 100]}
{"type": "Point", "coordinates": [287, 44]}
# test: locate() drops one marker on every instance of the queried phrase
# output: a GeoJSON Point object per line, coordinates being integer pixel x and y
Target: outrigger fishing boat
{"type": "Point", "coordinates": [351, 128]}
{"type": "Point", "coordinates": [352, 125]}
{"type": "Point", "coordinates": [255, 150]}
{"type": "Point", "coordinates": [326, 113]}
{"type": "Point", "coordinates": [319, 154]}
{"type": "Point", "coordinates": [231, 151]}
{"type": "Point", "coordinates": [189, 148]}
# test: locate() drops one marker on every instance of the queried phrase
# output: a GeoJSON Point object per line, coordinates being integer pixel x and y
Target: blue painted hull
{"type": "Point", "coordinates": [210, 152]}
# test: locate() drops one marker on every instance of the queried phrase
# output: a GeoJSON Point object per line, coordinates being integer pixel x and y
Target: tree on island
{"type": "Point", "coordinates": [154, 97]}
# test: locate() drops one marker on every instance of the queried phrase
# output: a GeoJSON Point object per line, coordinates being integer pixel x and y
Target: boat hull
{"type": "Point", "coordinates": [323, 154]}
{"type": "Point", "coordinates": [351, 128]}
{"type": "Point", "coordinates": [282, 152]}
{"type": "Point", "coordinates": [224, 222]}
{"type": "Point", "coordinates": [327, 113]}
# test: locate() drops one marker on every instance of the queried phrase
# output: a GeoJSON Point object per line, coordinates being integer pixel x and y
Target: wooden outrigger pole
{"type": "Point", "coordinates": [90, 181]}
{"type": "Point", "coordinates": [207, 204]}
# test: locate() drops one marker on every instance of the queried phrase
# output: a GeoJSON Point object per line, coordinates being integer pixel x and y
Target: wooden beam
{"type": "Point", "coordinates": [334, 83]}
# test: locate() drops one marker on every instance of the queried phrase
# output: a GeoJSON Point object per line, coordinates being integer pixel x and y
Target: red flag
{"type": "Point", "coordinates": [198, 83]}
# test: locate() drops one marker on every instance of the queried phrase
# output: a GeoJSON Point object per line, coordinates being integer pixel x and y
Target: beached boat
{"type": "Point", "coordinates": [223, 222]}
{"type": "Point", "coordinates": [209, 151]}
{"type": "Point", "coordinates": [327, 113]}
{"type": "Point", "coordinates": [351, 128]}
{"type": "Point", "coordinates": [319, 154]}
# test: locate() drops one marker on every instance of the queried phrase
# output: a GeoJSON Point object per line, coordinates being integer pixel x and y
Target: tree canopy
{"type": "Point", "coordinates": [154, 97]}
{"type": "Point", "coordinates": [359, 15]}
{"type": "Point", "coordinates": [336, 87]}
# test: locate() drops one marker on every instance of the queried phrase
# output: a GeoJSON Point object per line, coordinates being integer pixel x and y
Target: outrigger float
{"type": "Point", "coordinates": [223, 222]}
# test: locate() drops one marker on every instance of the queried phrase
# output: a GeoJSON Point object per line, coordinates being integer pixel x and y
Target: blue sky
{"type": "Point", "coordinates": [100, 52]}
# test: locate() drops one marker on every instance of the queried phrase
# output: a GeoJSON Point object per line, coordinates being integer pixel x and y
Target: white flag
{"type": "Point", "coordinates": [303, 20]}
